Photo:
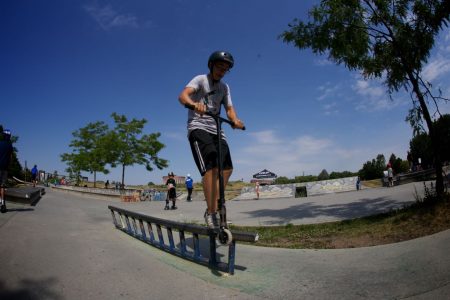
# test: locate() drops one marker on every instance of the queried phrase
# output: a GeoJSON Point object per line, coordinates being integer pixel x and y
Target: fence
{"type": "Point", "coordinates": [160, 234]}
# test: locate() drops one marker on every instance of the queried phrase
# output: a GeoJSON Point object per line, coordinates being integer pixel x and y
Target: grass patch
{"type": "Point", "coordinates": [421, 219]}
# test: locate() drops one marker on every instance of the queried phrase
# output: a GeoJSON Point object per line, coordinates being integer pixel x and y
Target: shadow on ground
{"type": "Point", "coordinates": [30, 289]}
{"type": "Point", "coordinates": [360, 208]}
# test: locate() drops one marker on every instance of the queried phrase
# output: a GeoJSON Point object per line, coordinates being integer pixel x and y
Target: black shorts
{"type": "Point", "coordinates": [172, 193]}
{"type": "Point", "coordinates": [204, 146]}
{"type": "Point", "coordinates": [3, 178]}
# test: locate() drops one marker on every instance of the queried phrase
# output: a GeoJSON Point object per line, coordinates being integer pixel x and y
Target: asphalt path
{"type": "Point", "coordinates": [66, 247]}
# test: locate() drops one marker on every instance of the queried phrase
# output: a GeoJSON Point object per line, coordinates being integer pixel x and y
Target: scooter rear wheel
{"type": "Point", "coordinates": [225, 236]}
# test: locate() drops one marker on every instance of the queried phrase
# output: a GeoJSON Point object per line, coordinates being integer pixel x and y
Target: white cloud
{"type": "Point", "coordinates": [323, 62]}
{"type": "Point", "coordinates": [308, 145]}
{"type": "Point", "coordinates": [436, 68]}
{"type": "Point", "coordinates": [308, 154]}
{"type": "Point", "coordinates": [327, 91]}
{"type": "Point", "coordinates": [330, 108]}
{"type": "Point", "coordinates": [268, 149]}
{"type": "Point", "coordinates": [372, 96]}
{"type": "Point", "coordinates": [107, 18]}
{"type": "Point", "coordinates": [178, 135]}
{"type": "Point", "coordinates": [445, 47]}
{"type": "Point", "coordinates": [265, 137]}
{"type": "Point", "coordinates": [364, 88]}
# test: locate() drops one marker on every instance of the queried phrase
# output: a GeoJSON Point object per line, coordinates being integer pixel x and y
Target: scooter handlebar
{"type": "Point", "coordinates": [192, 107]}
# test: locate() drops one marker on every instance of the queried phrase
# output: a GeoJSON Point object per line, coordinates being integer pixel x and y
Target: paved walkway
{"type": "Point", "coordinates": [309, 210]}
{"type": "Point", "coordinates": [67, 248]}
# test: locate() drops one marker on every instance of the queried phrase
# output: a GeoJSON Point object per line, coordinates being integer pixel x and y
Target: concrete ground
{"type": "Point", "coordinates": [66, 247]}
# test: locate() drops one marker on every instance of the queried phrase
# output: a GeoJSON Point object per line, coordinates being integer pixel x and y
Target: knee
{"type": "Point", "coordinates": [228, 172]}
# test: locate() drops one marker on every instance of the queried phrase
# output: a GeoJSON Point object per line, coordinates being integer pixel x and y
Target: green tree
{"type": "Point", "coordinates": [344, 174]}
{"type": "Point", "coordinates": [323, 175]}
{"type": "Point", "coordinates": [304, 178]}
{"type": "Point", "coordinates": [74, 165]}
{"type": "Point", "coordinates": [420, 147]}
{"type": "Point", "coordinates": [398, 165]}
{"type": "Point", "coordinates": [131, 147]}
{"type": "Point", "coordinates": [386, 39]}
{"type": "Point", "coordinates": [91, 150]}
{"type": "Point", "coordinates": [442, 126]}
{"type": "Point", "coordinates": [373, 169]}
{"type": "Point", "coordinates": [282, 180]}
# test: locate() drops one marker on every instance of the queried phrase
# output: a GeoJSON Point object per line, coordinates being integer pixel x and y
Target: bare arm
{"type": "Point", "coordinates": [185, 98]}
{"type": "Point", "coordinates": [231, 114]}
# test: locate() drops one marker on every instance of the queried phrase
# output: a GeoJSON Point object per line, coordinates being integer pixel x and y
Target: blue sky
{"type": "Point", "coordinates": [64, 64]}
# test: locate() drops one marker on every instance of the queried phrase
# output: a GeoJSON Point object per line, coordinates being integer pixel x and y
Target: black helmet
{"type": "Point", "coordinates": [7, 134]}
{"type": "Point", "coordinates": [220, 56]}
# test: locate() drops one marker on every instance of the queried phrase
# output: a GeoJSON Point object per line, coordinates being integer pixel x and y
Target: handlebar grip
{"type": "Point", "coordinates": [189, 106]}
{"type": "Point", "coordinates": [192, 107]}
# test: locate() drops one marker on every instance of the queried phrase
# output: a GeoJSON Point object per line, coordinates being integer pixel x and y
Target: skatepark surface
{"type": "Point", "coordinates": [66, 247]}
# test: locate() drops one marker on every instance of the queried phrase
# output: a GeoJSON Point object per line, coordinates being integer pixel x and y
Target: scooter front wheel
{"type": "Point", "coordinates": [225, 236]}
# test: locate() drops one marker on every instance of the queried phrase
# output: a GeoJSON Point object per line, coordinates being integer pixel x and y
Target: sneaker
{"type": "Point", "coordinates": [174, 207]}
{"type": "Point", "coordinates": [216, 220]}
{"type": "Point", "coordinates": [209, 220]}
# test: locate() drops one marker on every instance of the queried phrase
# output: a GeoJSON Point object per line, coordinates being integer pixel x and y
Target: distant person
{"type": "Point", "coordinates": [189, 186]}
{"type": "Point", "coordinates": [257, 190]}
{"type": "Point", "coordinates": [207, 92]}
{"type": "Point", "coordinates": [107, 184]}
{"type": "Point", "coordinates": [390, 175]}
{"type": "Point", "coordinates": [171, 191]}
{"type": "Point", "coordinates": [6, 152]}
{"type": "Point", "coordinates": [34, 175]}
{"type": "Point", "coordinates": [358, 183]}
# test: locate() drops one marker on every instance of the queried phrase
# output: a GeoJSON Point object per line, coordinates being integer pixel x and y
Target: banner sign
{"type": "Point", "coordinates": [264, 174]}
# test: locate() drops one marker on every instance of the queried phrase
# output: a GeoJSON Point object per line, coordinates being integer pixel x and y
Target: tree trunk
{"type": "Point", "coordinates": [433, 136]}
{"type": "Point", "coordinates": [95, 179]}
{"type": "Point", "coordinates": [123, 177]}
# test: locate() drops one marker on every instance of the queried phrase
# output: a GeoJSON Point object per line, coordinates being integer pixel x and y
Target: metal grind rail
{"type": "Point", "coordinates": [150, 230]}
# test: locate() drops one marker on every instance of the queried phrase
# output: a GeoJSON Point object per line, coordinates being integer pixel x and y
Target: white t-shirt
{"type": "Point", "coordinates": [213, 95]}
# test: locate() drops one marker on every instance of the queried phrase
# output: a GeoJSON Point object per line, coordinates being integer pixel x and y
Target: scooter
{"type": "Point", "coordinates": [223, 234]}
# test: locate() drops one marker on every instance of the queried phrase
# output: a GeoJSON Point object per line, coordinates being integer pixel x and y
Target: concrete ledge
{"type": "Point", "coordinates": [25, 195]}
{"type": "Point", "coordinates": [88, 193]}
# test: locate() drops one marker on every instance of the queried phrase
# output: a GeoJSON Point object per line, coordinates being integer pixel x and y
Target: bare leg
{"type": "Point", "coordinates": [211, 187]}
{"type": "Point", "coordinates": [2, 196]}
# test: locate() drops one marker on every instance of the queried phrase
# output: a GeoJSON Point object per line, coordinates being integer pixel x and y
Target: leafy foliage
{"type": "Point", "coordinates": [95, 146]}
{"type": "Point", "coordinates": [323, 175]}
{"type": "Point", "coordinates": [421, 144]}
{"type": "Point", "coordinates": [90, 150]}
{"type": "Point", "coordinates": [383, 39]}
{"type": "Point", "coordinates": [442, 126]}
{"type": "Point", "coordinates": [373, 169]}
{"type": "Point", "coordinates": [129, 149]}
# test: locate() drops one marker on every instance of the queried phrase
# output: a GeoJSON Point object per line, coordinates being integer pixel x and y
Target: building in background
{"type": "Point", "coordinates": [178, 179]}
